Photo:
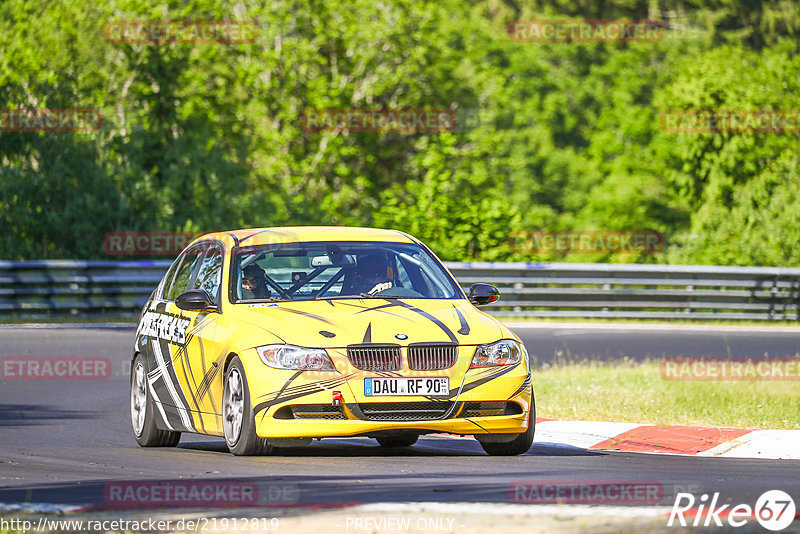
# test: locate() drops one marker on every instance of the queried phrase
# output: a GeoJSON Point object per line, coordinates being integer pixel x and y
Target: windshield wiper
{"type": "Point", "coordinates": [372, 296]}
{"type": "Point", "coordinates": [268, 299]}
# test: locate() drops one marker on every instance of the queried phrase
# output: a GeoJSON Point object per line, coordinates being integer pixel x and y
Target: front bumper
{"type": "Point", "coordinates": [274, 428]}
{"type": "Point", "coordinates": [277, 394]}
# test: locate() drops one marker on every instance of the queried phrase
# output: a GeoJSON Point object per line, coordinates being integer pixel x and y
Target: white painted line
{"type": "Point", "coordinates": [581, 434]}
{"type": "Point", "coordinates": [770, 444]}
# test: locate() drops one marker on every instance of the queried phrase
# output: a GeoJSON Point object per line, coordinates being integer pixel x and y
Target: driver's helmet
{"type": "Point", "coordinates": [373, 268]}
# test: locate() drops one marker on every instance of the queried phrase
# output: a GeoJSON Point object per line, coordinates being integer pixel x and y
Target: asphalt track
{"type": "Point", "coordinates": [65, 442]}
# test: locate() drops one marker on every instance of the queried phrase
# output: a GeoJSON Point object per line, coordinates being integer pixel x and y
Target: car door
{"type": "Point", "coordinates": [200, 360]}
{"type": "Point", "coordinates": [162, 336]}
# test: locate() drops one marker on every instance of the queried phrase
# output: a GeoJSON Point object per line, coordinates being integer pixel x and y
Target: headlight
{"type": "Point", "coordinates": [504, 352]}
{"type": "Point", "coordinates": [297, 358]}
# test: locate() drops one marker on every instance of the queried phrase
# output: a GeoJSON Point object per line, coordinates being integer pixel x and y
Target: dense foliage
{"type": "Point", "coordinates": [552, 136]}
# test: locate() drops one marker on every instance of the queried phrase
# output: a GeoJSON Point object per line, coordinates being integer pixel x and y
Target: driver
{"type": "Point", "coordinates": [254, 283]}
{"type": "Point", "coordinates": [373, 274]}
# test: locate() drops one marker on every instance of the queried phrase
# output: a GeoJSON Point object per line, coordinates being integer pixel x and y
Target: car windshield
{"type": "Point", "coordinates": [333, 270]}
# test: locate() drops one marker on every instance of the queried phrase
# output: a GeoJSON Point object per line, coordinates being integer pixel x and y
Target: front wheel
{"type": "Point", "coordinates": [519, 445]}
{"type": "Point", "coordinates": [238, 423]}
{"type": "Point", "coordinates": [143, 421]}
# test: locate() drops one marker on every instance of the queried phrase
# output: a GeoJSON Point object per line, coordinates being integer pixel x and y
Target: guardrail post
{"type": "Point", "coordinates": [689, 288]}
{"type": "Point", "coordinates": [518, 286]}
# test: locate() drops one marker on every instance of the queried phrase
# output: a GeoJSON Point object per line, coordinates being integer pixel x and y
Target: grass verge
{"type": "Point", "coordinates": [630, 391]}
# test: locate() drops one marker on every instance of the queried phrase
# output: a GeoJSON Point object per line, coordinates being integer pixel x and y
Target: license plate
{"type": "Point", "coordinates": [384, 387]}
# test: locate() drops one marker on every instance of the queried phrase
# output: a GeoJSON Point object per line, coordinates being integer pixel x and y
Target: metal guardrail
{"type": "Point", "coordinates": [48, 289]}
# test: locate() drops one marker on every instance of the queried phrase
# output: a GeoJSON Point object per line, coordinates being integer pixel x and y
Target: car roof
{"type": "Point", "coordinates": [299, 234]}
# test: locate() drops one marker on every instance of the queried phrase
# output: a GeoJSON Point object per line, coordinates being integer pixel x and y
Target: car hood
{"type": "Point", "coordinates": [339, 323]}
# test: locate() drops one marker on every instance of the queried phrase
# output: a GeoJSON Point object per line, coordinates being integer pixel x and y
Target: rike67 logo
{"type": "Point", "coordinates": [774, 510]}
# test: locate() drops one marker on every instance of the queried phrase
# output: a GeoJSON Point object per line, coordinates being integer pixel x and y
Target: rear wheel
{"type": "Point", "coordinates": [519, 445]}
{"type": "Point", "coordinates": [143, 421]}
{"type": "Point", "coordinates": [238, 422]}
{"type": "Point", "coordinates": [404, 440]}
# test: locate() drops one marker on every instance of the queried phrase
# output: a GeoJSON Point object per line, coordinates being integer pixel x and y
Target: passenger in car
{"type": "Point", "coordinates": [254, 283]}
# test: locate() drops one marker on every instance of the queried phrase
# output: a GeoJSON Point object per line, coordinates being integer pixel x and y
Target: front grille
{"type": "Point", "coordinates": [483, 409]}
{"type": "Point", "coordinates": [430, 357]}
{"type": "Point", "coordinates": [374, 357]}
{"type": "Point", "coordinates": [405, 411]}
{"type": "Point", "coordinates": [317, 411]}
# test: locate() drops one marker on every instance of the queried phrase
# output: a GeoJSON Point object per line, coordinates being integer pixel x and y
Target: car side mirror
{"type": "Point", "coordinates": [194, 300]}
{"type": "Point", "coordinates": [480, 294]}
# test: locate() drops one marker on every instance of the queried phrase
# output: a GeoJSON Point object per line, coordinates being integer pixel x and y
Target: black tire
{"type": "Point", "coordinates": [149, 435]}
{"type": "Point", "coordinates": [242, 441]}
{"type": "Point", "coordinates": [520, 445]}
{"type": "Point", "coordinates": [404, 440]}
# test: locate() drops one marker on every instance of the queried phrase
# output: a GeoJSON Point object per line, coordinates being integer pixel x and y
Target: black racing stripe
{"type": "Point", "coordinates": [235, 239]}
{"type": "Point", "coordinates": [525, 385]}
{"type": "Point", "coordinates": [392, 304]}
{"type": "Point", "coordinates": [160, 389]}
{"type": "Point", "coordinates": [166, 353]}
{"type": "Point", "coordinates": [190, 380]}
{"type": "Point", "coordinates": [431, 318]}
{"type": "Point", "coordinates": [351, 304]}
{"type": "Point", "coordinates": [475, 383]}
{"type": "Point", "coordinates": [308, 387]}
{"type": "Point", "coordinates": [464, 330]}
{"type": "Point", "coordinates": [170, 411]}
{"type": "Point", "coordinates": [305, 314]}
{"type": "Point", "coordinates": [368, 335]}
{"type": "Point", "coordinates": [160, 422]}
{"type": "Point", "coordinates": [285, 385]}
{"type": "Point", "coordinates": [205, 384]}
{"type": "Point", "coordinates": [184, 355]}
{"type": "Point", "coordinates": [169, 357]}
{"type": "Point", "coordinates": [381, 309]}
{"type": "Point", "coordinates": [203, 388]}
{"type": "Point", "coordinates": [175, 419]}
{"type": "Point", "coordinates": [480, 381]}
{"type": "Point", "coordinates": [398, 303]}
{"type": "Point", "coordinates": [266, 404]}
{"type": "Point", "coordinates": [245, 238]}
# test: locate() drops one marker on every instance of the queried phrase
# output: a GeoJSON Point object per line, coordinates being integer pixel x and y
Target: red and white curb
{"type": "Point", "coordinates": [683, 440]}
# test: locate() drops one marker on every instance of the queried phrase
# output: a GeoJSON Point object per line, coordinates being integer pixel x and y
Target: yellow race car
{"type": "Point", "coordinates": [272, 337]}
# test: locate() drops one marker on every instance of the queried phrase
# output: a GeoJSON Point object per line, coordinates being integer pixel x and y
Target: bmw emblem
{"type": "Point", "coordinates": [401, 336]}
